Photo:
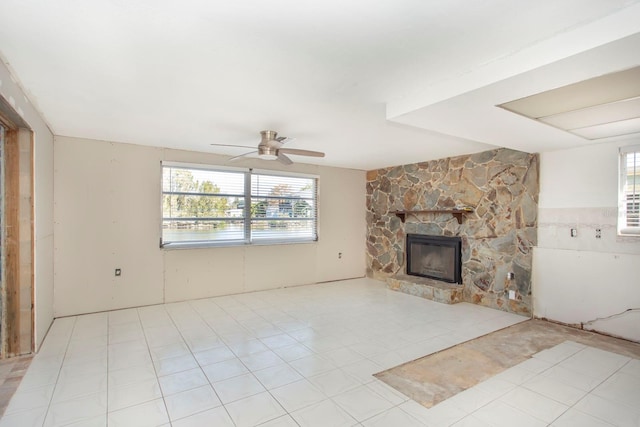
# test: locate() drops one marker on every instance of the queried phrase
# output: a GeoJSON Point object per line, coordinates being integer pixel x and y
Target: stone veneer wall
{"type": "Point", "coordinates": [497, 238]}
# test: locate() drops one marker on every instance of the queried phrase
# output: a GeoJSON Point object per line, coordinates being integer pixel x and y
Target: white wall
{"type": "Point", "coordinates": [107, 216]}
{"type": "Point", "coordinates": [584, 280]}
{"type": "Point", "coordinates": [43, 201]}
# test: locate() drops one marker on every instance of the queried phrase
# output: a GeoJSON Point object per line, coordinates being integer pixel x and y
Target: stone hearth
{"type": "Point", "coordinates": [423, 287]}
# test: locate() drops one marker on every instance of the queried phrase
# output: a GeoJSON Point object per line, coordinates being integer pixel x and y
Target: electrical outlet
{"type": "Point", "coordinates": [118, 272]}
{"type": "Point", "coordinates": [598, 233]}
{"type": "Point", "coordinates": [574, 232]}
{"type": "Point", "coordinates": [512, 294]}
{"type": "Point", "coordinates": [339, 255]}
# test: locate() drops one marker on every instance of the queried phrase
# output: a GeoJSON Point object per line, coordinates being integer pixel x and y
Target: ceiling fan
{"type": "Point", "coordinates": [271, 148]}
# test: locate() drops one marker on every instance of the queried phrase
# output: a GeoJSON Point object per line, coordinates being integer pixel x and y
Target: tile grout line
{"type": "Point", "coordinates": [55, 387]}
{"type": "Point", "coordinates": [590, 391]}
{"type": "Point", "coordinates": [250, 371]}
{"type": "Point", "coordinates": [199, 366]}
{"type": "Point", "coordinates": [284, 362]}
{"type": "Point", "coordinates": [152, 364]}
{"type": "Point", "coordinates": [539, 374]}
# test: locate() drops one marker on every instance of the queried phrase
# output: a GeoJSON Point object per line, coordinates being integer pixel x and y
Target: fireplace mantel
{"type": "Point", "coordinates": [457, 213]}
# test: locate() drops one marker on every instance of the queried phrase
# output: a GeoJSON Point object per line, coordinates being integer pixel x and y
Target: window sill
{"type": "Point", "coordinates": [629, 232]}
{"type": "Point", "coordinates": [209, 245]}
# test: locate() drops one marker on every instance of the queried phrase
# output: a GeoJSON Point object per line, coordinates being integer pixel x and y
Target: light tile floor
{"type": "Point", "coordinates": [567, 385]}
{"type": "Point", "coordinates": [11, 372]}
{"type": "Point", "coordinates": [301, 356]}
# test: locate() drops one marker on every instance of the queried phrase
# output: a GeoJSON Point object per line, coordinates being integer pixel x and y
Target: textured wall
{"type": "Point", "coordinates": [585, 280]}
{"type": "Point", "coordinates": [108, 216]}
{"type": "Point", "coordinates": [497, 238]}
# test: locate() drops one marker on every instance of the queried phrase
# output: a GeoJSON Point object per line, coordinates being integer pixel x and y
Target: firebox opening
{"type": "Point", "coordinates": [435, 257]}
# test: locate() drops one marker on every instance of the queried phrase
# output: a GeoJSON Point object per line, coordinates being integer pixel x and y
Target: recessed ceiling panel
{"type": "Point", "coordinates": [601, 107]}
{"type": "Point", "coordinates": [600, 114]}
{"type": "Point", "coordinates": [587, 93]}
{"type": "Point", "coordinates": [608, 130]}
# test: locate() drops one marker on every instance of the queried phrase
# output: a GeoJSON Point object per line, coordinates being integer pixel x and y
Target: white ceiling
{"type": "Point", "coordinates": [372, 84]}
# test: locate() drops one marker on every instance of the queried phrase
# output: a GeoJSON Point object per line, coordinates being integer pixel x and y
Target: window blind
{"type": "Point", "coordinates": [283, 208]}
{"type": "Point", "coordinates": [202, 205]}
{"type": "Point", "coordinates": [630, 190]}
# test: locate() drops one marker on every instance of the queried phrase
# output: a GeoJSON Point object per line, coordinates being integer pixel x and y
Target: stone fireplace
{"type": "Point", "coordinates": [435, 257]}
{"type": "Point", "coordinates": [497, 235]}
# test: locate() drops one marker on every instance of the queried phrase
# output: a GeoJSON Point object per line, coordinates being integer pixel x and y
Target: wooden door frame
{"type": "Point", "coordinates": [18, 143]}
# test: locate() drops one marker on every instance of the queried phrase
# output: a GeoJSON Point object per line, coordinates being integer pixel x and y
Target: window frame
{"type": "Point", "coordinates": [623, 228]}
{"type": "Point", "coordinates": [247, 218]}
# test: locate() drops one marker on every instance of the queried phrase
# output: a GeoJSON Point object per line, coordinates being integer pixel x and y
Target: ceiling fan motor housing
{"type": "Point", "coordinates": [268, 135]}
{"type": "Point", "coordinates": [269, 144]}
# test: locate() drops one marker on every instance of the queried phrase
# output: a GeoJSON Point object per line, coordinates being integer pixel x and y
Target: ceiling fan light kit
{"type": "Point", "coordinates": [270, 148]}
{"type": "Point", "coordinates": [267, 153]}
{"type": "Point", "coordinates": [269, 144]}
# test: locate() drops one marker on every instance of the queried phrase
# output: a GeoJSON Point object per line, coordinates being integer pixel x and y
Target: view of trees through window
{"type": "Point", "coordinates": [202, 205]}
{"type": "Point", "coordinates": [192, 198]}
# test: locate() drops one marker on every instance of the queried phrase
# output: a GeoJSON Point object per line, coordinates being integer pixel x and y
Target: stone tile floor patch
{"type": "Point", "coordinates": [439, 376]}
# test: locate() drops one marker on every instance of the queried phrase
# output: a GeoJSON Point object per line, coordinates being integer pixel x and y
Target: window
{"type": "Point", "coordinates": [202, 206]}
{"type": "Point", "coordinates": [629, 218]}
{"type": "Point", "coordinates": [282, 207]}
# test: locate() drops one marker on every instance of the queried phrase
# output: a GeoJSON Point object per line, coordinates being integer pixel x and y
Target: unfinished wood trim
{"type": "Point", "coordinates": [26, 243]}
{"type": "Point", "coordinates": [10, 117]}
{"type": "Point", "coordinates": [17, 288]}
{"type": "Point", "coordinates": [12, 242]}
{"type": "Point", "coordinates": [32, 214]}
{"type": "Point", "coordinates": [6, 122]}
{"type": "Point", "coordinates": [3, 294]}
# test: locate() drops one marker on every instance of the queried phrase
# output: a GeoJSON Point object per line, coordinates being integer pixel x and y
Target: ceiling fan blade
{"type": "Point", "coordinates": [285, 139]}
{"type": "Point", "coordinates": [231, 145]}
{"type": "Point", "coordinates": [298, 152]}
{"type": "Point", "coordinates": [284, 159]}
{"type": "Point", "coordinates": [241, 155]}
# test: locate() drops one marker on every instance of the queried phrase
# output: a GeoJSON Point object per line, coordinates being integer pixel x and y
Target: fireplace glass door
{"type": "Point", "coordinates": [436, 257]}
